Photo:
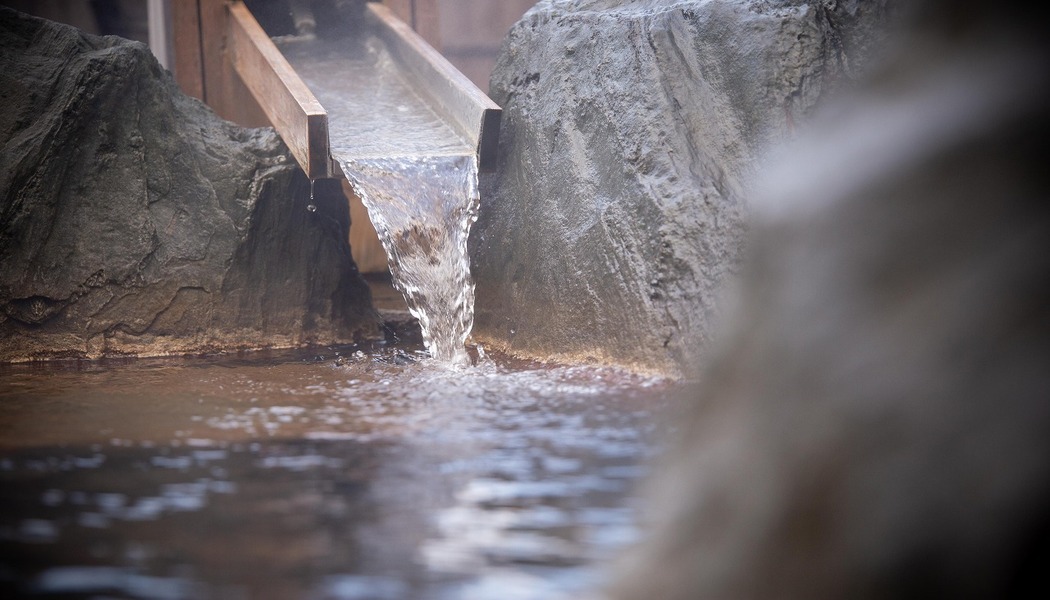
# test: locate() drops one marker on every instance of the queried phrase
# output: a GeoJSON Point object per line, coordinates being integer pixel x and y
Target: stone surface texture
{"type": "Point", "coordinates": [133, 221]}
{"type": "Point", "coordinates": [629, 133]}
{"type": "Point", "coordinates": [874, 422]}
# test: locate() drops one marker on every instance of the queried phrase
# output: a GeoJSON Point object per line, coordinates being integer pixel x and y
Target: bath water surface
{"type": "Point", "coordinates": [357, 473]}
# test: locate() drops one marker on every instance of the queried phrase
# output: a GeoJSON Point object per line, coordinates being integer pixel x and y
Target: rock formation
{"type": "Point", "coordinates": [630, 129]}
{"type": "Point", "coordinates": [135, 221]}
{"type": "Point", "coordinates": [875, 422]}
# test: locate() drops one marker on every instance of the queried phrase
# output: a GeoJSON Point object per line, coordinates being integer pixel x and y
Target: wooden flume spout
{"type": "Point", "coordinates": [291, 107]}
{"type": "Point", "coordinates": [303, 122]}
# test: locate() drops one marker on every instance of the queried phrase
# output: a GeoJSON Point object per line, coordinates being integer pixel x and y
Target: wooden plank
{"type": "Point", "coordinates": [369, 255]}
{"type": "Point", "coordinates": [238, 103]}
{"type": "Point", "coordinates": [421, 16]}
{"type": "Point", "coordinates": [212, 25]}
{"type": "Point", "coordinates": [223, 90]}
{"type": "Point", "coordinates": [402, 9]}
{"type": "Point", "coordinates": [426, 22]}
{"type": "Point", "coordinates": [189, 73]}
{"type": "Point", "coordinates": [289, 105]}
{"type": "Point", "coordinates": [465, 106]}
{"type": "Point", "coordinates": [478, 23]}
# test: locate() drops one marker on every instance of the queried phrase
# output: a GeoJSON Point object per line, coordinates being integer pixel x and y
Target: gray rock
{"type": "Point", "coordinates": [135, 221]}
{"type": "Point", "coordinates": [630, 130]}
{"type": "Point", "coordinates": [875, 422]}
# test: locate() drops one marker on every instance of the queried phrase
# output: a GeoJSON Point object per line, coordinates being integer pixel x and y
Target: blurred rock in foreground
{"type": "Point", "coordinates": [135, 221]}
{"type": "Point", "coordinates": [876, 420]}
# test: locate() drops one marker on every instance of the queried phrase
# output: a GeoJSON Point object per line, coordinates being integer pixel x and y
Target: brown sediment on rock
{"type": "Point", "coordinates": [136, 222]}
{"type": "Point", "coordinates": [594, 356]}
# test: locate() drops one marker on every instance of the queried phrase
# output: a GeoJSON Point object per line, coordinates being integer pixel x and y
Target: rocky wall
{"type": "Point", "coordinates": [133, 221]}
{"type": "Point", "coordinates": [630, 131]}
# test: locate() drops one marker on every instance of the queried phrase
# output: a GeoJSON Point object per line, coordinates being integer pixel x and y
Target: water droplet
{"type": "Point", "coordinates": [311, 208]}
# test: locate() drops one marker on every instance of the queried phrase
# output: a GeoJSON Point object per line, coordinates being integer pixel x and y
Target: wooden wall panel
{"type": "Point", "coordinates": [188, 68]}
{"type": "Point", "coordinates": [421, 15]}
{"type": "Point", "coordinates": [206, 73]}
{"type": "Point", "coordinates": [471, 32]}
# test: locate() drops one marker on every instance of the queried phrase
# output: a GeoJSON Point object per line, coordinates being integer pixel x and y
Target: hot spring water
{"type": "Point", "coordinates": [359, 474]}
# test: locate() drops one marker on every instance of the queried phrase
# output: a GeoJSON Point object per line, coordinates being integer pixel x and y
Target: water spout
{"type": "Point", "coordinates": [422, 209]}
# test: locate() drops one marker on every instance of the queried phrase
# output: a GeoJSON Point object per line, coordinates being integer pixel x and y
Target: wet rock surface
{"type": "Point", "coordinates": [629, 132]}
{"type": "Point", "coordinates": [135, 221]}
{"type": "Point", "coordinates": [874, 424]}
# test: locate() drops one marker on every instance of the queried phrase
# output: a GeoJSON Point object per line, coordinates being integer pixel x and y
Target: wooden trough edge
{"type": "Point", "coordinates": [474, 114]}
{"type": "Point", "coordinates": [302, 121]}
{"type": "Point", "coordinates": [288, 103]}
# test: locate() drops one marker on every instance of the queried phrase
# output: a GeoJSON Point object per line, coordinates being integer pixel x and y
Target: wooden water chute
{"type": "Point", "coordinates": [303, 122]}
{"type": "Point", "coordinates": [225, 58]}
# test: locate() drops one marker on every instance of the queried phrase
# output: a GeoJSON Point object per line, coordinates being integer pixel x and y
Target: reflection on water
{"type": "Point", "coordinates": [348, 475]}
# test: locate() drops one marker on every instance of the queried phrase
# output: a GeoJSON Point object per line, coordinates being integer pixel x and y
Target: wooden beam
{"type": "Point", "coordinates": [188, 67]}
{"type": "Point", "coordinates": [401, 8]}
{"type": "Point", "coordinates": [289, 105]}
{"type": "Point", "coordinates": [461, 103]}
{"type": "Point", "coordinates": [427, 22]}
{"type": "Point", "coordinates": [212, 32]}
{"type": "Point", "coordinates": [421, 16]}
{"type": "Point", "coordinates": [368, 251]}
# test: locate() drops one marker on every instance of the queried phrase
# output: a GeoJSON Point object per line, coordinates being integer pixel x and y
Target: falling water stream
{"type": "Point", "coordinates": [422, 209]}
{"type": "Point", "coordinates": [417, 177]}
